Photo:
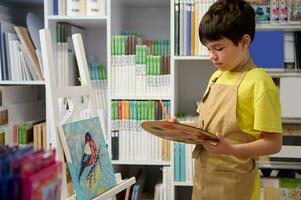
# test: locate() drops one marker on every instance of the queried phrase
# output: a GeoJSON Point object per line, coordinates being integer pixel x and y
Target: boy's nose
{"type": "Point", "coordinates": [212, 56]}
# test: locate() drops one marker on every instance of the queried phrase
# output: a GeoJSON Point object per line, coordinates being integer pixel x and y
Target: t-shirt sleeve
{"type": "Point", "coordinates": [267, 116]}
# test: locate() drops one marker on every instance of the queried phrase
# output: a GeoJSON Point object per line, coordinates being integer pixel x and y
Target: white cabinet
{"type": "Point", "coordinates": [290, 97]}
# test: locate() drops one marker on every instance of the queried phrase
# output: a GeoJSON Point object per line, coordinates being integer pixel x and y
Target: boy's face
{"type": "Point", "coordinates": [225, 55]}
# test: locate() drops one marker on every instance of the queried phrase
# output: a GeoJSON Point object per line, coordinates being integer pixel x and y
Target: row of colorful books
{"type": "Point", "coordinates": [127, 45]}
{"type": "Point", "coordinates": [27, 174]}
{"type": "Point", "coordinates": [79, 7]}
{"type": "Point", "coordinates": [25, 134]}
{"type": "Point", "coordinates": [277, 11]}
{"type": "Point", "coordinates": [129, 140]}
{"type": "Point", "coordinates": [187, 16]}
{"type": "Point", "coordinates": [98, 77]}
{"type": "Point", "coordinates": [145, 76]}
{"type": "Point", "coordinates": [21, 109]}
{"type": "Point", "coordinates": [67, 72]}
{"type": "Point", "coordinates": [19, 57]}
{"type": "Point", "coordinates": [183, 162]}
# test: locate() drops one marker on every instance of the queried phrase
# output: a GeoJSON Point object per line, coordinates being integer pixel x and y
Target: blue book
{"type": "Point", "coordinates": [188, 50]}
{"type": "Point", "coordinates": [182, 163]}
{"type": "Point", "coordinates": [267, 49]}
{"type": "Point", "coordinates": [177, 161]}
{"type": "Point", "coordinates": [87, 157]}
{"type": "Point", "coordinates": [55, 7]}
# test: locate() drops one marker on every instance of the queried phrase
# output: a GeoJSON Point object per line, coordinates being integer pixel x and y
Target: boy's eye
{"type": "Point", "coordinates": [219, 49]}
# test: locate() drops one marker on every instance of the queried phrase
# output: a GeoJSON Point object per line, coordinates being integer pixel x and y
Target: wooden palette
{"type": "Point", "coordinates": [177, 132]}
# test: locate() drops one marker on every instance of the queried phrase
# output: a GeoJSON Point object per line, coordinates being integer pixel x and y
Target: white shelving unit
{"type": "Point", "coordinates": [22, 83]}
{"type": "Point", "coordinates": [155, 20]}
{"type": "Point", "coordinates": [20, 95]}
{"type": "Point", "coordinates": [151, 19]}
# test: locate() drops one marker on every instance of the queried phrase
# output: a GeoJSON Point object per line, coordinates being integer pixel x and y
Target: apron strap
{"type": "Point", "coordinates": [196, 151]}
{"type": "Point", "coordinates": [209, 87]}
{"type": "Point", "coordinates": [242, 75]}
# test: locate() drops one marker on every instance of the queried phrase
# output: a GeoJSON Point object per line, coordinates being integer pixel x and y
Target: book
{"type": "Point", "coordinates": [29, 49]}
{"type": "Point", "coordinates": [271, 42]}
{"type": "Point", "coordinates": [294, 14]}
{"type": "Point", "coordinates": [41, 176]}
{"type": "Point", "coordinates": [87, 157]}
{"type": "Point", "coordinates": [76, 8]}
{"type": "Point", "coordinates": [262, 10]}
{"type": "Point", "coordinates": [178, 132]}
{"type": "Point", "coordinates": [96, 7]}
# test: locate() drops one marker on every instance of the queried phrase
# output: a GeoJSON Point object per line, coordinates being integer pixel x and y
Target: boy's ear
{"type": "Point", "coordinates": [246, 40]}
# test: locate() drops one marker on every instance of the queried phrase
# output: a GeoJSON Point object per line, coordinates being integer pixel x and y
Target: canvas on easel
{"type": "Point", "coordinates": [87, 157]}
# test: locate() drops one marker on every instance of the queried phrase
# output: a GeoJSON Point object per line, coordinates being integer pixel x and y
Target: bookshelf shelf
{"type": "Point", "coordinates": [140, 98]}
{"type": "Point", "coordinates": [160, 163]}
{"type": "Point", "coordinates": [284, 73]}
{"type": "Point", "coordinates": [279, 27]}
{"type": "Point", "coordinates": [187, 183]}
{"type": "Point", "coordinates": [279, 165]}
{"type": "Point", "coordinates": [146, 3]}
{"type": "Point", "coordinates": [291, 120]}
{"type": "Point", "coordinates": [82, 21]}
{"type": "Point", "coordinates": [192, 58]}
{"type": "Point", "coordinates": [22, 83]}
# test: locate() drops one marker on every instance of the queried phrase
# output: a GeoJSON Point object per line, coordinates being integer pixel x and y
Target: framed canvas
{"type": "Point", "coordinates": [87, 157]}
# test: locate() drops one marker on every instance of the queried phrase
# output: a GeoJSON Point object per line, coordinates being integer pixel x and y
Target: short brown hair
{"type": "Point", "coordinates": [227, 19]}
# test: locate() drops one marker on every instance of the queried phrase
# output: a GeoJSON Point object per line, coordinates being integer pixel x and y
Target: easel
{"type": "Point", "coordinates": [54, 94]}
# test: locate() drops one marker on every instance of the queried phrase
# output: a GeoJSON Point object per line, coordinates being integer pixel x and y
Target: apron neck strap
{"type": "Point", "coordinates": [241, 77]}
{"type": "Point", "coordinates": [243, 74]}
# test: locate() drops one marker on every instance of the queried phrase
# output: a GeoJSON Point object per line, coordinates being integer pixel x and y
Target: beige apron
{"type": "Point", "coordinates": [219, 176]}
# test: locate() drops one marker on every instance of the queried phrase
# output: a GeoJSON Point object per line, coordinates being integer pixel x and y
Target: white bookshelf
{"type": "Point", "coordinates": [150, 18]}
{"type": "Point", "coordinates": [22, 83]}
{"type": "Point", "coordinates": [84, 21]}
{"type": "Point", "coordinates": [97, 45]}
{"type": "Point", "coordinates": [24, 100]}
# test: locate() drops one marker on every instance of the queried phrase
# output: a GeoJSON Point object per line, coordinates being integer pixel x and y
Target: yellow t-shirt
{"type": "Point", "coordinates": [258, 106]}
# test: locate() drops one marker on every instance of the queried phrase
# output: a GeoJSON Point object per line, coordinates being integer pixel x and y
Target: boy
{"type": "Point", "coordinates": [241, 106]}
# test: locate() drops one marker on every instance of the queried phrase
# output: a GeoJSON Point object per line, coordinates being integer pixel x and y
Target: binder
{"type": "Point", "coordinates": [267, 49]}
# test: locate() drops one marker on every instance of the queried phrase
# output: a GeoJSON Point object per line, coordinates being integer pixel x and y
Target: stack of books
{"type": "Point", "coordinates": [28, 174]}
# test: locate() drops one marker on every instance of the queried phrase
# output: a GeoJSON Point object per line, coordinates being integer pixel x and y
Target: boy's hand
{"type": "Point", "coordinates": [173, 119]}
{"type": "Point", "coordinates": [221, 147]}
